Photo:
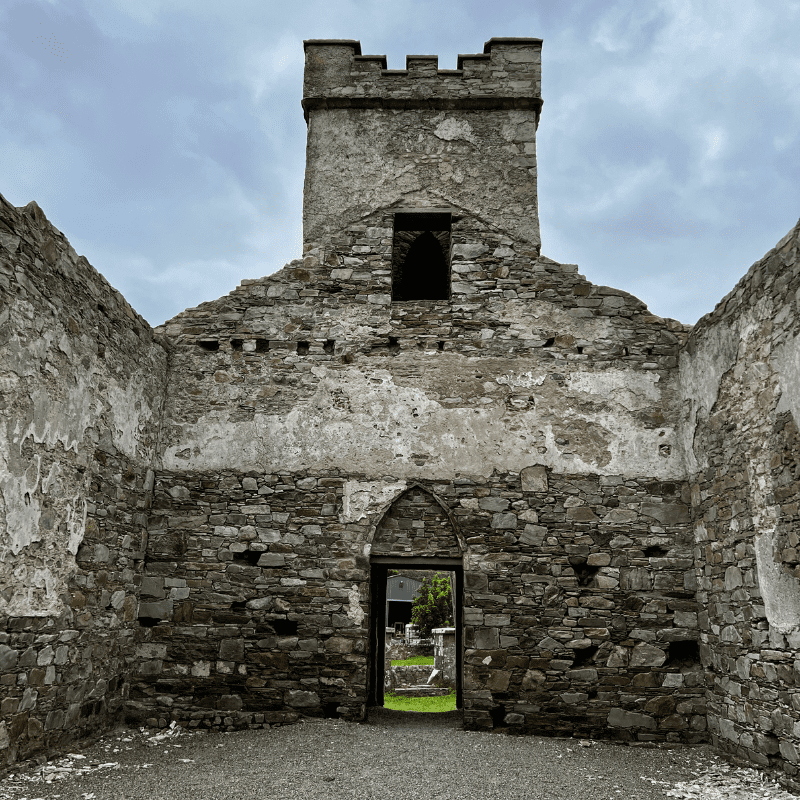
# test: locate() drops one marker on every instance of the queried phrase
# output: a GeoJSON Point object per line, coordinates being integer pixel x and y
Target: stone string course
{"type": "Point", "coordinates": [187, 514]}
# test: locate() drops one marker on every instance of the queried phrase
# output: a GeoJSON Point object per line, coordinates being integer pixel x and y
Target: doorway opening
{"type": "Point", "coordinates": [386, 640]}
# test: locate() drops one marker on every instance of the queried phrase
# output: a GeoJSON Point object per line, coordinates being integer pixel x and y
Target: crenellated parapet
{"type": "Point", "coordinates": [506, 75]}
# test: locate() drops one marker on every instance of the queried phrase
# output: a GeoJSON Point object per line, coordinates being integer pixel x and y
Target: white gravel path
{"type": "Point", "coordinates": [396, 755]}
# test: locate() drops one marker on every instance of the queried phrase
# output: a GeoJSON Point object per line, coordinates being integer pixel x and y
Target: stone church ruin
{"type": "Point", "coordinates": [196, 519]}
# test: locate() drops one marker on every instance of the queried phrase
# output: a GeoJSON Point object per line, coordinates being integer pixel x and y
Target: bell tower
{"type": "Point", "coordinates": [422, 139]}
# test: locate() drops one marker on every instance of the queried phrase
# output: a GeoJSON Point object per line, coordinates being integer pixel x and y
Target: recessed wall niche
{"type": "Point", "coordinates": [421, 256]}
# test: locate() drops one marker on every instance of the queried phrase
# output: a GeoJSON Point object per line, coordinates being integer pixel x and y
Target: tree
{"type": "Point", "coordinates": [432, 605]}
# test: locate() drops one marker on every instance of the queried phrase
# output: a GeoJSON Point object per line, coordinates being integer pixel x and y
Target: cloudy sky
{"type": "Point", "coordinates": [165, 138]}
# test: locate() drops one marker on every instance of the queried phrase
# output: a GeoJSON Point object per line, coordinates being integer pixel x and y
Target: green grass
{"type": "Point", "coordinates": [395, 702]}
{"type": "Point", "coordinates": [414, 661]}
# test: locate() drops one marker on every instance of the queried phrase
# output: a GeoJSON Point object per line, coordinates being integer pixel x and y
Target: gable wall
{"type": "Point", "coordinates": [550, 460]}
{"type": "Point", "coordinates": [424, 389]}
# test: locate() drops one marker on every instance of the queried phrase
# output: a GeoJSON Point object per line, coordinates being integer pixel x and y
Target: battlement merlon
{"type": "Point", "coordinates": [506, 75]}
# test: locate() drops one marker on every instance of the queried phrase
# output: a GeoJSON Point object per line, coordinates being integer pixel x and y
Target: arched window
{"type": "Point", "coordinates": [420, 257]}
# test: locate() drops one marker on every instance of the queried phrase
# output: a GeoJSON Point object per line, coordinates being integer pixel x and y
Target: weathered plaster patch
{"type": "Point", "coordinates": [779, 590]}
{"type": "Point", "coordinates": [8, 382]}
{"type": "Point", "coordinates": [64, 420]}
{"type": "Point", "coordinates": [23, 509]}
{"type": "Point", "coordinates": [765, 514]}
{"type": "Point", "coordinates": [702, 372]}
{"type": "Point", "coordinates": [591, 442]}
{"type": "Point", "coordinates": [364, 497]}
{"type": "Point", "coordinates": [63, 400]}
{"type": "Point", "coordinates": [401, 431]}
{"type": "Point", "coordinates": [632, 390]}
{"type": "Point", "coordinates": [700, 376]}
{"type": "Point", "coordinates": [525, 380]}
{"type": "Point", "coordinates": [37, 586]}
{"type": "Point", "coordinates": [519, 127]}
{"type": "Point", "coordinates": [35, 592]}
{"type": "Point", "coordinates": [785, 360]}
{"type": "Point", "coordinates": [354, 610]}
{"type": "Point", "coordinates": [530, 319]}
{"type": "Point", "coordinates": [76, 524]}
{"type": "Point", "coordinates": [451, 129]}
{"type": "Point", "coordinates": [129, 415]}
{"type": "Point", "coordinates": [52, 477]}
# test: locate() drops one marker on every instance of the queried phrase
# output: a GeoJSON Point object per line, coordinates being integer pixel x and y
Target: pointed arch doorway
{"type": "Point", "coordinates": [417, 532]}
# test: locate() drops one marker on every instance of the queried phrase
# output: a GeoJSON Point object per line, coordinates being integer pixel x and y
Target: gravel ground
{"type": "Point", "coordinates": [396, 755]}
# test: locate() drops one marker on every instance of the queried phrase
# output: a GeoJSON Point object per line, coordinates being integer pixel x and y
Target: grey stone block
{"type": "Point", "coordinates": [300, 699]}
{"type": "Point", "coordinates": [620, 718]}
{"type": "Point", "coordinates": [231, 650]}
{"type": "Point", "coordinates": [159, 610]}
{"type": "Point", "coordinates": [504, 521]}
{"type": "Point", "coordinates": [667, 513]}
{"type": "Point", "coordinates": [152, 586]}
{"type": "Point", "coordinates": [646, 655]}
{"type": "Point", "coordinates": [533, 535]}
{"type": "Point", "coordinates": [534, 479]}
{"type": "Point", "coordinates": [487, 638]}
{"type": "Point", "coordinates": [272, 560]}
{"type": "Point", "coordinates": [8, 658]}
{"type": "Point", "coordinates": [493, 503]}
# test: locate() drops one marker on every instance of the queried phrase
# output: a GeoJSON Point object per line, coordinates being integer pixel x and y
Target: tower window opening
{"type": "Point", "coordinates": [421, 257]}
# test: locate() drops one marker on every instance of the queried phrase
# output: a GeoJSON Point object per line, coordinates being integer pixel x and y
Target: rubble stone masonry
{"type": "Point", "coordinates": [191, 514]}
{"type": "Point", "coordinates": [81, 385]}
{"type": "Point", "coordinates": [740, 375]}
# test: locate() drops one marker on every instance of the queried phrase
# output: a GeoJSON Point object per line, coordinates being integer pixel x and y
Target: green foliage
{"type": "Point", "coordinates": [413, 661]}
{"type": "Point", "coordinates": [445, 702]}
{"type": "Point", "coordinates": [432, 606]}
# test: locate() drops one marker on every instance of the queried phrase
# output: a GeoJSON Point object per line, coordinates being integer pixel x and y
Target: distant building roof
{"type": "Point", "coordinates": [401, 587]}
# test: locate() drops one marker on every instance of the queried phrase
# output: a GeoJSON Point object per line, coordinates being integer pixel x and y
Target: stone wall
{"type": "Point", "coordinates": [404, 677]}
{"type": "Point", "coordinates": [529, 431]}
{"type": "Point", "coordinates": [253, 602]}
{"type": "Point", "coordinates": [577, 625]}
{"type": "Point", "coordinates": [581, 620]}
{"type": "Point", "coordinates": [314, 368]}
{"type": "Point", "coordinates": [527, 427]}
{"type": "Point", "coordinates": [81, 385]}
{"type": "Point", "coordinates": [740, 374]}
{"type": "Point", "coordinates": [399, 650]}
